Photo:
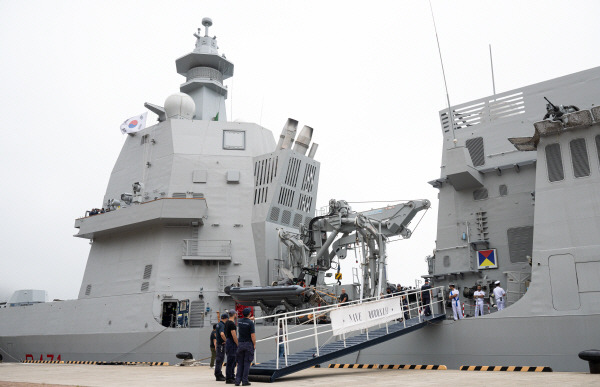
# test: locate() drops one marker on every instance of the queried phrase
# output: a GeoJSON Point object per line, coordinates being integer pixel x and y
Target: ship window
{"type": "Point", "coordinates": [476, 151]}
{"type": "Point", "coordinates": [480, 194]}
{"type": "Point", "coordinates": [579, 156]}
{"type": "Point", "coordinates": [520, 243]}
{"type": "Point", "coordinates": [503, 190]}
{"type": "Point", "coordinates": [234, 139]}
{"type": "Point", "coordinates": [554, 163]}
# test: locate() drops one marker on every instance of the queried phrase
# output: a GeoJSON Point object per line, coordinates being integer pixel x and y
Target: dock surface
{"type": "Point", "coordinates": [29, 375]}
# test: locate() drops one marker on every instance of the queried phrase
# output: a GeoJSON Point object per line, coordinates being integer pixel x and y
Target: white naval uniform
{"type": "Point", "coordinates": [499, 295]}
{"type": "Point", "coordinates": [456, 308]}
{"type": "Point", "coordinates": [479, 302]}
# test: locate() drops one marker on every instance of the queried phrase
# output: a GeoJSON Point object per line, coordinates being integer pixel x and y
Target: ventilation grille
{"type": "Point", "coordinates": [144, 139]}
{"type": "Point", "coordinates": [304, 203]}
{"type": "Point", "coordinates": [476, 151]}
{"type": "Point", "coordinates": [292, 172]}
{"type": "Point", "coordinates": [147, 271]}
{"type": "Point", "coordinates": [265, 170]}
{"type": "Point", "coordinates": [297, 220]}
{"type": "Point", "coordinates": [554, 163]}
{"type": "Point", "coordinates": [286, 196]}
{"type": "Point", "coordinates": [274, 216]}
{"type": "Point", "coordinates": [286, 217]}
{"type": "Point", "coordinates": [480, 194]}
{"type": "Point", "coordinates": [197, 314]}
{"type": "Point", "coordinates": [309, 178]}
{"type": "Point", "coordinates": [579, 155]}
{"type": "Point", "coordinates": [247, 283]}
{"type": "Point", "coordinates": [484, 110]}
{"type": "Point", "coordinates": [446, 261]}
{"type": "Point", "coordinates": [179, 195]}
{"type": "Point", "coordinates": [88, 290]}
{"type": "Point", "coordinates": [260, 195]}
{"type": "Point", "coordinates": [197, 195]}
{"type": "Point", "coordinates": [145, 286]}
{"type": "Point", "coordinates": [503, 190]}
{"type": "Point", "coordinates": [307, 222]}
{"type": "Point", "coordinates": [520, 243]}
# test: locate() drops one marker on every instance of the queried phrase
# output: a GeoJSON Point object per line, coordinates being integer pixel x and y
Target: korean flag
{"type": "Point", "coordinates": [134, 124]}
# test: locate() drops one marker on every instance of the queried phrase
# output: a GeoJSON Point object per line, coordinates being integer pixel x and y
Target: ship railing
{"type": "Point", "coordinates": [212, 248]}
{"type": "Point", "coordinates": [228, 280]}
{"type": "Point", "coordinates": [307, 324]}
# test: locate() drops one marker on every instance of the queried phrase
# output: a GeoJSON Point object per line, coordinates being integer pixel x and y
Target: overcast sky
{"type": "Point", "coordinates": [365, 75]}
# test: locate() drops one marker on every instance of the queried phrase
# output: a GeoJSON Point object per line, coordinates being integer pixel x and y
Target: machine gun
{"type": "Point", "coordinates": [556, 113]}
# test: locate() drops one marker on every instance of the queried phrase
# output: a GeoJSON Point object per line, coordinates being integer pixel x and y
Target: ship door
{"type": "Point", "coordinates": [169, 314]}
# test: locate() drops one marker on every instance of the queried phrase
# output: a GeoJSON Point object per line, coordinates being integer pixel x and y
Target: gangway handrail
{"type": "Point", "coordinates": [316, 312]}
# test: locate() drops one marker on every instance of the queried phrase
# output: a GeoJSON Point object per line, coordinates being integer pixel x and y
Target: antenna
{"type": "Point", "coordinates": [451, 116]}
{"type": "Point", "coordinates": [492, 65]}
{"type": "Point", "coordinates": [206, 22]}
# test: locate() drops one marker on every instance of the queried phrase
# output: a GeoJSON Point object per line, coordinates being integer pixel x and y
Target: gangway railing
{"type": "Point", "coordinates": [303, 325]}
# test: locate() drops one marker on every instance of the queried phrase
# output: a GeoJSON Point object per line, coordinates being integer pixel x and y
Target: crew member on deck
{"type": "Point", "coordinates": [213, 346]}
{"type": "Point", "coordinates": [344, 297]}
{"type": "Point", "coordinates": [479, 295]}
{"type": "Point", "coordinates": [499, 295]}
{"type": "Point", "coordinates": [245, 351]}
{"type": "Point", "coordinates": [456, 309]}
{"type": "Point", "coordinates": [221, 338]}
{"type": "Point", "coordinates": [230, 347]}
{"type": "Point", "coordinates": [426, 297]}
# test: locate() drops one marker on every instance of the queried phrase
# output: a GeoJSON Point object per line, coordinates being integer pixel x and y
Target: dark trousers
{"type": "Point", "coordinates": [213, 355]}
{"type": "Point", "coordinates": [220, 359]}
{"type": "Point", "coordinates": [230, 350]}
{"type": "Point", "coordinates": [426, 302]}
{"type": "Point", "coordinates": [245, 355]}
{"type": "Point", "coordinates": [405, 307]}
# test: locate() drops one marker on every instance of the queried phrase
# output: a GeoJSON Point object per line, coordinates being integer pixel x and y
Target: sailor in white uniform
{"type": "Point", "coordinates": [499, 295]}
{"type": "Point", "coordinates": [479, 296]}
{"type": "Point", "coordinates": [456, 308]}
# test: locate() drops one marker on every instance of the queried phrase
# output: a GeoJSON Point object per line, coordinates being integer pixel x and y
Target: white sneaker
{"type": "Point", "coordinates": [212, 368]}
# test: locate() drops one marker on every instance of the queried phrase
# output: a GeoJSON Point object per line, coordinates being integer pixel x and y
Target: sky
{"type": "Point", "coordinates": [365, 75]}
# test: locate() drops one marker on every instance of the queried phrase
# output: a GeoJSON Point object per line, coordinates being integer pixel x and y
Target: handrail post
{"type": "Point", "coordinates": [316, 334]}
{"type": "Point", "coordinates": [444, 301]}
{"type": "Point", "coordinates": [277, 342]}
{"type": "Point", "coordinates": [344, 336]}
{"type": "Point", "coordinates": [286, 348]}
{"type": "Point", "coordinates": [418, 307]}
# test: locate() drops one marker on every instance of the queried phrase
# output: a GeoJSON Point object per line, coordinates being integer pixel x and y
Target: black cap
{"type": "Point", "coordinates": [224, 316]}
{"type": "Point", "coordinates": [246, 312]}
{"type": "Point", "coordinates": [214, 326]}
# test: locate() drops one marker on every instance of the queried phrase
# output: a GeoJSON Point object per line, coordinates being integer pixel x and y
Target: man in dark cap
{"type": "Point", "coordinates": [426, 297]}
{"type": "Point", "coordinates": [246, 346]}
{"type": "Point", "coordinates": [220, 347]}
{"type": "Point", "coordinates": [231, 346]}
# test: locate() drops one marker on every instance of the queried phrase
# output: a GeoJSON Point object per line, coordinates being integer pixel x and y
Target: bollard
{"type": "Point", "coordinates": [592, 356]}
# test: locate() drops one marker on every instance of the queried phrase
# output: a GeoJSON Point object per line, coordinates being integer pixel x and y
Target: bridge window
{"type": "Point", "coordinates": [480, 194]}
{"type": "Point", "coordinates": [554, 163]}
{"type": "Point", "coordinates": [579, 156]}
{"type": "Point", "coordinates": [234, 139]}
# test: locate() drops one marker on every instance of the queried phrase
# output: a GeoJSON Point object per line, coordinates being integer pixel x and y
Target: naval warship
{"type": "Point", "coordinates": [204, 215]}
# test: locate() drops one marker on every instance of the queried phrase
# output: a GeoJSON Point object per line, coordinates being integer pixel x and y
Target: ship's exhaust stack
{"type": "Point", "coordinates": [313, 150]}
{"type": "Point", "coordinates": [303, 140]}
{"type": "Point", "coordinates": [288, 133]}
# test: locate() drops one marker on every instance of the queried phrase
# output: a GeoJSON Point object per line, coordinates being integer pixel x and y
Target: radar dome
{"type": "Point", "coordinates": [180, 105]}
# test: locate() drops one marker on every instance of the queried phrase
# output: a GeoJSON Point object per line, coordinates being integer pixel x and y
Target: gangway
{"type": "Point", "coordinates": [335, 346]}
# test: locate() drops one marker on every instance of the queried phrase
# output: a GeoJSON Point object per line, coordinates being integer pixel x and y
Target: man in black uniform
{"type": "Point", "coordinates": [213, 345]}
{"type": "Point", "coordinates": [344, 297]}
{"type": "Point", "coordinates": [220, 347]}
{"type": "Point", "coordinates": [245, 351]}
{"type": "Point", "coordinates": [230, 347]}
{"type": "Point", "coordinates": [426, 297]}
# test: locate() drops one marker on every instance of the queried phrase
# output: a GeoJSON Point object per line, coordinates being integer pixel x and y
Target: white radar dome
{"type": "Point", "coordinates": [180, 105]}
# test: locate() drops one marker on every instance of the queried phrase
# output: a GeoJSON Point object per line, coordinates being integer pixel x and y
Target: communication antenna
{"type": "Point", "coordinates": [451, 116]}
{"type": "Point", "coordinates": [492, 65]}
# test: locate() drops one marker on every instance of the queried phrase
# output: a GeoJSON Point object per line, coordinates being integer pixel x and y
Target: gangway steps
{"type": "Point", "coordinates": [308, 358]}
